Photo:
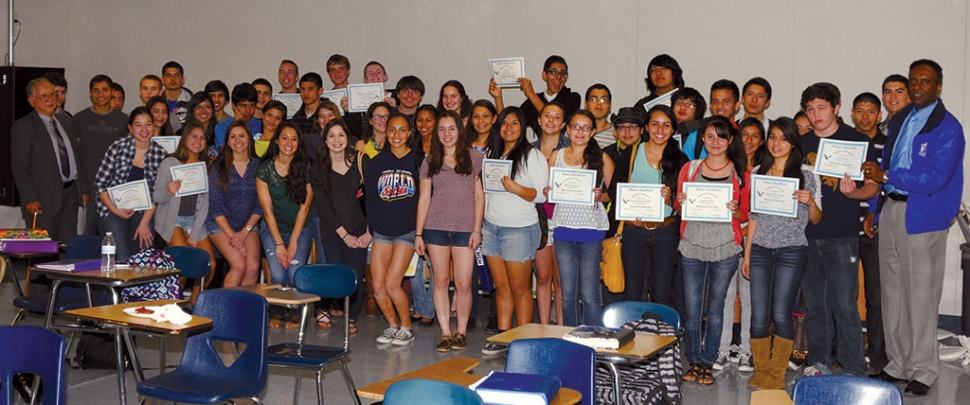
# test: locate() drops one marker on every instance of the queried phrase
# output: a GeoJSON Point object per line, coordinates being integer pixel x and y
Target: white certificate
{"type": "Point", "coordinates": [664, 99]}
{"type": "Point", "coordinates": [292, 101]}
{"type": "Point", "coordinates": [506, 72]}
{"type": "Point", "coordinates": [334, 96]}
{"type": "Point", "coordinates": [361, 96]}
{"type": "Point", "coordinates": [774, 195]}
{"type": "Point", "coordinates": [194, 178]}
{"type": "Point", "coordinates": [492, 172]}
{"type": "Point", "coordinates": [571, 186]}
{"type": "Point", "coordinates": [133, 195]}
{"type": "Point", "coordinates": [169, 143]}
{"type": "Point", "coordinates": [643, 201]}
{"type": "Point", "coordinates": [707, 202]}
{"type": "Point", "coordinates": [680, 142]}
{"type": "Point", "coordinates": [836, 158]}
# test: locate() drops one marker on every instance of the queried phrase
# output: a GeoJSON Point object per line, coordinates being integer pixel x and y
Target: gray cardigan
{"type": "Point", "coordinates": [167, 205]}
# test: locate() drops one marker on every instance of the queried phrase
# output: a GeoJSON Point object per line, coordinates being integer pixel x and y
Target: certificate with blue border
{"type": "Point", "coordinates": [194, 179]}
{"type": "Point", "coordinates": [836, 158]}
{"type": "Point", "coordinates": [492, 172]}
{"type": "Point", "coordinates": [707, 202]}
{"type": "Point", "coordinates": [643, 201]}
{"type": "Point", "coordinates": [571, 186]}
{"type": "Point", "coordinates": [361, 96]}
{"type": "Point", "coordinates": [292, 101]}
{"type": "Point", "coordinates": [169, 143]}
{"type": "Point", "coordinates": [506, 72]}
{"type": "Point", "coordinates": [334, 96]}
{"type": "Point", "coordinates": [132, 195]}
{"type": "Point", "coordinates": [774, 195]}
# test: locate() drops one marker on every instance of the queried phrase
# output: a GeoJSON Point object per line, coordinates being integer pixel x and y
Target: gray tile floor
{"type": "Point", "coordinates": [370, 364]}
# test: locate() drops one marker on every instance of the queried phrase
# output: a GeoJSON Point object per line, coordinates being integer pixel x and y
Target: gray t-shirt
{"type": "Point", "coordinates": [774, 231]}
{"type": "Point", "coordinates": [453, 199]}
{"type": "Point", "coordinates": [96, 132]}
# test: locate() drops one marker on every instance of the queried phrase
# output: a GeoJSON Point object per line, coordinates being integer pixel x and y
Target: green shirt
{"type": "Point", "coordinates": [284, 209]}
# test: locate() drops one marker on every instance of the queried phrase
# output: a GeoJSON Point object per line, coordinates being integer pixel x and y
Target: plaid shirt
{"type": "Point", "coordinates": [117, 164]}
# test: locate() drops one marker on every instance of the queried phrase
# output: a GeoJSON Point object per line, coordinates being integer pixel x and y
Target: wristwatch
{"type": "Point", "coordinates": [249, 228]}
{"type": "Point", "coordinates": [885, 177]}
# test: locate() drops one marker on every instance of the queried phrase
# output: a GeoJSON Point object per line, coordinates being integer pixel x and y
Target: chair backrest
{"type": "Point", "coordinates": [326, 280]}
{"type": "Point", "coordinates": [845, 389]}
{"type": "Point", "coordinates": [238, 317]}
{"type": "Point", "coordinates": [83, 247]}
{"type": "Point", "coordinates": [32, 349]}
{"type": "Point", "coordinates": [619, 313]}
{"type": "Point", "coordinates": [573, 363]}
{"type": "Point", "coordinates": [193, 262]}
{"type": "Point", "coordinates": [420, 391]}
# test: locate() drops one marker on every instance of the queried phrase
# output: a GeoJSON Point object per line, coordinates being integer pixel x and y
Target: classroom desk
{"type": "Point", "coordinates": [770, 397]}
{"type": "Point", "coordinates": [113, 316]}
{"type": "Point", "coordinates": [643, 346]}
{"type": "Point", "coordinates": [275, 294]}
{"type": "Point", "coordinates": [114, 281]}
{"type": "Point", "coordinates": [454, 370]}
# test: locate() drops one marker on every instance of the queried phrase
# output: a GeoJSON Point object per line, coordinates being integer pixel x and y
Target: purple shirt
{"type": "Point", "coordinates": [453, 200]}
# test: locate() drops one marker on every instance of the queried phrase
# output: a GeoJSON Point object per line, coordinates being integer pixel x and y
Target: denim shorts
{"type": "Point", "coordinates": [406, 239]}
{"type": "Point", "coordinates": [446, 238]}
{"type": "Point", "coordinates": [184, 222]}
{"type": "Point", "coordinates": [213, 228]}
{"type": "Point", "coordinates": [512, 244]}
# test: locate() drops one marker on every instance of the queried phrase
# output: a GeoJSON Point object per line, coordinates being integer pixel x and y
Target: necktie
{"type": "Point", "coordinates": [62, 151]}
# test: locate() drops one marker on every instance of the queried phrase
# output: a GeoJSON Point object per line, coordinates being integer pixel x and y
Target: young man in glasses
{"type": "Point", "coordinates": [555, 73]}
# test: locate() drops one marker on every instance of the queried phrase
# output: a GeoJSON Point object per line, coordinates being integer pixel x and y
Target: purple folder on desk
{"type": "Point", "coordinates": [28, 246]}
{"type": "Point", "coordinates": [72, 265]}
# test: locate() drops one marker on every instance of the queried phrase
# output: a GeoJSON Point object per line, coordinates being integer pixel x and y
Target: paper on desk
{"type": "Point", "coordinates": [171, 313]}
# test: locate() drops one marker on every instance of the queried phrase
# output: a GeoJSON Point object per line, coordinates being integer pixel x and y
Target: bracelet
{"type": "Point", "coordinates": [345, 236]}
{"type": "Point", "coordinates": [419, 236]}
{"type": "Point", "coordinates": [280, 244]}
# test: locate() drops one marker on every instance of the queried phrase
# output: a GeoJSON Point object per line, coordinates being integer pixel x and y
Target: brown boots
{"type": "Point", "coordinates": [770, 362]}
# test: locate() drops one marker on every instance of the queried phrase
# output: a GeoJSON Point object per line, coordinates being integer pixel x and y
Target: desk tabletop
{"type": "Point", "coordinates": [643, 346]}
{"type": "Point", "coordinates": [115, 315]}
{"type": "Point", "coordinates": [453, 370]}
{"type": "Point", "coordinates": [770, 397]}
{"type": "Point", "coordinates": [117, 278]}
{"type": "Point", "coordinates": [276, 294]}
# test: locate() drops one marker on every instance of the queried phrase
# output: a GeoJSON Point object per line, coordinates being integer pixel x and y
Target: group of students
{"type": "Point", "coordinates": [405, 177]}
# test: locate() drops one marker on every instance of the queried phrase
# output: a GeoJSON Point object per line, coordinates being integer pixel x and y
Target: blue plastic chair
{"type": "Point", "coordinates": [202, 377]}
{"type": "Point", "coordinates": [845, 389]}
{"type": "Point", "coordinates": [573, 363]}
{"type": "Point", "coordinates": [420, 391]}
{"type": "Point", "coordinates": [192, 262]}
{"type": "Point", "coordinates": [32, 349]}
{"type": "Point", "coordinates": [619, 313]}
{"type": "Point", "coordinates": [326, 281]}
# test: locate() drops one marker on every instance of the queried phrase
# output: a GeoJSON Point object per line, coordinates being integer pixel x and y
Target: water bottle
{"type": "Point", "coordinates": [108, 253]}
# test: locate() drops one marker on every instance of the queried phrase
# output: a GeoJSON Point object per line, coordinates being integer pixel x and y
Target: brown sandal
{"type": "Point", "coordinates": [692, 373]}
{"type": "Point", "coordinates": [706, 376]}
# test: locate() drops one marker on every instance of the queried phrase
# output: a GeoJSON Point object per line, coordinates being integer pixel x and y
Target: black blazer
{"type": "Point", "coordinates": [34, 163]}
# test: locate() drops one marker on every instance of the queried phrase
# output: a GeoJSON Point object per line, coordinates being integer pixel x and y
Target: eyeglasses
{"type": "Point", "coordinates": [379, 117]}
{"type": "Point", "coordinates": [596, 99]}
{"type": "Point", "coordinates": [557, 73]}
{"type": "Point", "coordinates": [581, 128]}
{"type": "Point", "coordinates": [631, 127]}
{"type": "Point", "coordinates": [685, 103]}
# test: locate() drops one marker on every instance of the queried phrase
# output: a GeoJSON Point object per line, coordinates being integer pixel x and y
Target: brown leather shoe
{"type": "Point", "coordinates": [459, 341]}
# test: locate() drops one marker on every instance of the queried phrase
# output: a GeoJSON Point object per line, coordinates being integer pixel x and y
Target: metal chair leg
{"type": "Point", "coordinates": [17, 318]}
{"type": "Point", "coordinates": [319, 387]}
{"type": "Point", "coordinates": [296, 387]}
{"type": "Point", "coordinates": [349, 381]}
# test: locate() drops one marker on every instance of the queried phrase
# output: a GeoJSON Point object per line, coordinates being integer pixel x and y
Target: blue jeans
{"type": "Point", "coordinates": [123, 232]}
{"type": "Point", "coordinates": [277, 273]}
{"type": "Point", "coordinates": [775, 275]}
{"type": "Point", "coordinates": [649, 260]}
{"type": "Point", "coordinates": [579, 270]}
{"type": "Point", "coordinates": [830, 289]}
{"type": "Point", "coordinates": [713, 277]}
{"type": "Point", "coordinates": [318, 241]}
{"type": "Point", "coordinates": [423, 297]}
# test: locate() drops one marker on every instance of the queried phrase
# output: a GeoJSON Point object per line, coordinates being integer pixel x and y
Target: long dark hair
{"type": "Point", "coordinates": [465, 108]}
{"type": "Point", "coordinates": [210, 131]}
{"type": "Point", "coordinates": [735, 150]}
{"type": "Point", "coordinates": [496, 145]}
{"type": "Point", "coordinates": [793, 166]}
{"type": "Point", "coordinates": [672, 158]}
{"type": "Point", "coordinates": [182, 151]}
{"type": "Point", "coordinates": [368, 128]}
{"type": "Point", "coordinates": [463, 160]}
{"type": "Point", "coordinates": [350, 156]}
{"type": "Point", "coordinates": [470, 128]}
{"type": "Point", "coordinates": [167, 126]}
{"type": "Point", "coordinates": [760, 153]}
{"type": "Point", "coordinates": [223, 163]}
{"type": "Point", "coordinates": [592, 153]}
{"type": "Point", "coordinates": [416, 141]}
{"type": "Point", "coordinates": [299, 173]}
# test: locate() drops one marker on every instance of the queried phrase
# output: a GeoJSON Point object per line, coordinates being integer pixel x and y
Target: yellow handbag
{"type": "Point", "coordinates": [611, 268]}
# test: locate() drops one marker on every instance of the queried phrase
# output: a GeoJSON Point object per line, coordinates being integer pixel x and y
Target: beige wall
{"type": "Point", "coordinates": [791, 43]}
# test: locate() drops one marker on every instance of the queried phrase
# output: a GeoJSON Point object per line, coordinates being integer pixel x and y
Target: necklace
{"type": "Point", "coordinates": [572, 154]}
{"type": "Point", "coordinates": [719, 168]}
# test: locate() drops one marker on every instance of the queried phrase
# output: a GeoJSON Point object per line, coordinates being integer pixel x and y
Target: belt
{"type": "Point", "coordinates": [67, 184]}
{"type": "Point", "coordinates": [897, 197]}
{"type": "Point", "coordinates": [654, 225]}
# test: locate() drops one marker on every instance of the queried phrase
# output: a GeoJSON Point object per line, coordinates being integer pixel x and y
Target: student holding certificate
{"type": "Point", "coordinates": [448, 224]}
{"type": "Point", "coordinates": [375, 127]}
{"type": "Point", "coordinates": [129, 159]}
{"type": "Point", "coordinates": [159, 109]}
{"type": "Point", "coordinates": [234, 210]}
{"type": "Point", "coordinates": [774, 255]}
{"type": "Point", "coordinates": [510, 234]}
{"type": "Point", "coordinates": [180, 219]}
{"type": "Point", "coordinates": [650, 247]}
{"type": "Point", "coordinates": [580, 228]}
{"type": "Point", "coordinates": [710, 249]}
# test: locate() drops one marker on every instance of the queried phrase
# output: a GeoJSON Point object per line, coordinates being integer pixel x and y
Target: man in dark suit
{"type": "Point", "coordinates": [45, 164]}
